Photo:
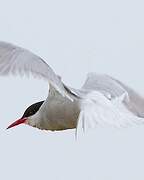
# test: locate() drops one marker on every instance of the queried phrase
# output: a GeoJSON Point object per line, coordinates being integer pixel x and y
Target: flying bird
{"type": "Point", "coordinates": [102, 100]}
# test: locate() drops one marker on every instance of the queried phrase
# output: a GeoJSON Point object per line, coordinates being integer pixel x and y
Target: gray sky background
{"type": "Point", "coordinates": [74, 37]}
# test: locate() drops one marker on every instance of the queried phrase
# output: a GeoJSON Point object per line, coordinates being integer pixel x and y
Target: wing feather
{"type": "Point", "coordinates": [113, 88]}
{"type": "Point", "coordinates": [97, 110]}
{"type": "Point", "coordinates": [17, 60]}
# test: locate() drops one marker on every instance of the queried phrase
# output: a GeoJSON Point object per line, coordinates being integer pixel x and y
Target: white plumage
{"type": "Point", "coordinates": [102, 100]}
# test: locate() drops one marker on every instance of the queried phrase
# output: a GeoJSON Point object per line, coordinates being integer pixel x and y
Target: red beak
{"type": "Point", "coordinates": [17, 122]}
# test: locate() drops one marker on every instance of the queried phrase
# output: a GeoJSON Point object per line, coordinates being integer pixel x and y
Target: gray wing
{"type": "Point", "coordinates": [107, 101]}
{"type": "Point", "coordinates": [97, 110]}
{"type": "Point", "coordinates": [113, 88]}
{"type": "Point", "coordinates": [16, 60]}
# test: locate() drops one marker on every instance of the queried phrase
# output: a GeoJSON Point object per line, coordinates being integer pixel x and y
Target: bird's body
{"type": "Point", "coordinates": [56, 113]}
{"type": "Point", "coordinates": [102, 99]}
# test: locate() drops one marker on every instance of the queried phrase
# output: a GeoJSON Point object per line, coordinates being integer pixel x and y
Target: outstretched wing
{"type": "Point", "coordinates": [106, 100]}
{"type": "Point", "coordinates": [113, 88]}
{"type": "Point", "coordinates": [16, 60]}
{"type": "Point", "coordinates": [97, 110]}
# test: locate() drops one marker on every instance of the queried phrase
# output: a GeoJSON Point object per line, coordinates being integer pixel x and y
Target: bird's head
{"type": "Point", "coordinates": [26, 118]}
